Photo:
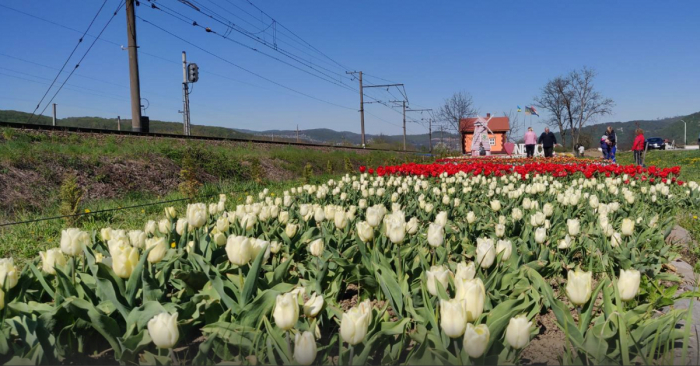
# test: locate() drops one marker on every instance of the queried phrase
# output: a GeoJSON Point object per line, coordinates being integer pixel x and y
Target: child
{"type": "Point", "coordinates": [604, 146]}
{"type": "Point", "coordinates": [638, 147]}
{"type": "Point", "coordinates": [581, 150]}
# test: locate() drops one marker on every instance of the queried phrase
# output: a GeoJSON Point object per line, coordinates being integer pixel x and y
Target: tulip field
{"type": "Point", "coordinates": [446, 263]}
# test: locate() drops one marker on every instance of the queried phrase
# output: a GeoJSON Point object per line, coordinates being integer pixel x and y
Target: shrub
{"type": "Point", "coordinates": [70, 196]}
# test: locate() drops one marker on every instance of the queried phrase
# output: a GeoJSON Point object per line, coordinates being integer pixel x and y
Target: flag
{"type": "Point", "coordinates": [519, 109]}
{"type": "Point", "coordinates": [531, 110]}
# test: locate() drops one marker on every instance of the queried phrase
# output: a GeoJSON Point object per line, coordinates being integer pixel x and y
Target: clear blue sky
{"type": "Point", "coordinates": [502, 52]}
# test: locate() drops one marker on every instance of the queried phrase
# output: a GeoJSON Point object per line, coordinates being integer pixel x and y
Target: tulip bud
{"type": "Point", "coordinates": [50, 259]}
{"type": "Point", "coordinates": [465, 271]}
{"type": "Point", "coordinates": [196, 215]}
{"type": "Point", "coordinates": [615, 239]}
{"type": "Point", "coordinates": [9, 276]}
{"type": "Point", "coordinates": [471, 217]}
{"type": "Point", "coordinates": [578, 286]}
{"type": "Point", "coordinates": [436, 235]}
{"type": "Point", "coordinates": [340, 219]}
{"type": "Point", "coordinates": [124, 259]}
{"type": "Point", "coordinates": [137, 238]}
{"type": "Point", "coordinates": [248, 221]}
{"type": "Point", "coordinates": [441, 218]}
{"type": "Point", "coordinates": [160, 247]}
{"type": "Point", "coordinates": [258, 245]}
{"type": "Point", "coordinates": [362, 203]}
{"type": "Point", "coordinates": [163, 330]}
{"type": "Point", "coordinates": [283, 217]}
{"type": "Point", "coordinates": [506, 247]}
{"type": "Point", "coordinates": [170, 212]}
{"type": "Point", "coordinates": [364, 231]}
{"type": "Point", "coordinates": [495, 205]}
{"type": "Point", "coordinates": [374, 215]}
{"type": "Point", "coordinates": [628, 284]}
{"type": "Point", "coordinates": [540, 235]}
{"type": "Point", "coordinates": [627, 227]}
{"type": "Point", "coordinates": [474, 295]}
{"type": "Point", "coordinates": [574, 226]}
{"type": "Point", "coordinates": [485, 253]}
{"type": "Point", "coordinates": [537, 219]}
{"type": "Point", "coordinates": [181, 227]}
{"type": "Point", "coordinates": [238, 250]}
{"type": "Point", "coordinates": [291, 230]}
{"type": "Point", "coordinates": [437, 274]}
{"type": "Point", "coordinates": [453, 319]}
{"type": "Point", "coordinates": [164, 226]}
{"type": "Point", "coordinates": [412, 226]}
{"type": "Point", "coordinates": [319, 215]}
{"type": "Point", "coordinates": [316, 247]}
{"type": "Point", "coordinates": [73, 240]}
{"type": "Point", "coordinates": [353, 326]}
{"type": "Point", "coordinates": [105, 233]}
{"type": "Point", "coordinates": [517, 214]}
{"type": "Point", "coordinates": [304, 348]}
{"type": "Point", "coordinates": [396, 231]}
{"type": "Point", "coordinates": [500, 230]}
{"type": "Point", "coordinates": [313, 306]}
{"type": "Point", "coordinates": [286, 311]}
{"type": "Point", "coordinates": [222, 224]}
{"type": "Point", "coordinates": [476, 338]}
{"type": "Point", "coordinates": [548, 209]}
{"type": "Point", "coordinates": [518, 332]}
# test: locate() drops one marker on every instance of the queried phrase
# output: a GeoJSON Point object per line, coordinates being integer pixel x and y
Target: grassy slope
{"type": "Point", "coordinates": [227, 166]}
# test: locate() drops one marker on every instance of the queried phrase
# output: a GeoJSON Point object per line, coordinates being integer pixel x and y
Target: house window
{"type": "Point", "coordinates": [492, 141]}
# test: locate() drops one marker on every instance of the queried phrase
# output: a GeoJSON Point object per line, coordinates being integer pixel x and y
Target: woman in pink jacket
{"type": "Point", "coordinates": [530, 142]}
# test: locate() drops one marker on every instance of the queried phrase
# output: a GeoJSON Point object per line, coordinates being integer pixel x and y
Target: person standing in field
{"type": "Point", "coordinates": [604, 147]}
{"type": "Point", "coordinates": [581, 150]}
{"type": "Point", "coordinates": [547, 140]}
{"type": "Point", "coordinates": [612, 143]}
{"type": "Point", "coordinates": [638, 146]}
{"type": "Point", "coordinates": [530, 142]}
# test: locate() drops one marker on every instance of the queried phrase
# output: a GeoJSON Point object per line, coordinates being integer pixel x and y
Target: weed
{"type": "Point", "coordinates": [189, 185]}
{"type": "Point", "coordinates": [70, 196]}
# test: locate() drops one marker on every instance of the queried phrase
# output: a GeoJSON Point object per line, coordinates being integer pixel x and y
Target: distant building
{"type": "Point", "coordinates": [499, 127]}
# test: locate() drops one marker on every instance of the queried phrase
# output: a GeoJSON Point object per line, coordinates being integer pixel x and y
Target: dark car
{"type": "Point", "coordinates": [656, 143]}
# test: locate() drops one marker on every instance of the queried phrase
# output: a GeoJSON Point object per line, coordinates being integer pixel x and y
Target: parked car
{"type": "Point", "coordinates": [656, 143]}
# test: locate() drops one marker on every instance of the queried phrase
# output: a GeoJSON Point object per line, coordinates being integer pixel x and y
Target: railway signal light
{"type": "Point", "coordinates": [192, 73]}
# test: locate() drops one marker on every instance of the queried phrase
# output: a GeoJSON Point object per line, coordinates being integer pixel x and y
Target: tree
{"type": "Point", "coordinates": [457, 107]}
{"type": "Point", "coordinates": [573, 103]}
{"type": "Point", "coordinates": [555, 97]}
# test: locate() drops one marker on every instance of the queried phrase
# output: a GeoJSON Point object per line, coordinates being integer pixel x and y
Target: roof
{"type": "Point", "coordinates": [496, 124]}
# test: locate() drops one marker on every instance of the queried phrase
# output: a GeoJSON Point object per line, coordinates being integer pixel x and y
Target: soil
{"type": "Point", "coordinates": [548, 345]}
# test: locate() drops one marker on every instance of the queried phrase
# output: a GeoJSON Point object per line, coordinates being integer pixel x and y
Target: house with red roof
{"type": "Point", "coordinates": [499, 127]}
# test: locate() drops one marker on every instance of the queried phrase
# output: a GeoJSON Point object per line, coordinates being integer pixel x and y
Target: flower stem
{"type": "Point", "coordinates": [289, 345]}
{"type": "Point", "coordinates": [457, 352]}
{"type": "Point", "coordinates": [352, 353]}
{"type": "Point", "coordinates": [172, 356]}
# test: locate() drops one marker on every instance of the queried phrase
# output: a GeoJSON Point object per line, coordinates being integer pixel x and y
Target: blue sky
{"type": "Point", "coordinates": [501, 52]}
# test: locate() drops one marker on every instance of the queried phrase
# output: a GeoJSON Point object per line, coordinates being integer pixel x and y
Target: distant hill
{"type": "Point", "coordinates": [668, 128]}
{"type": "Point", "coordinates": [318, 135]}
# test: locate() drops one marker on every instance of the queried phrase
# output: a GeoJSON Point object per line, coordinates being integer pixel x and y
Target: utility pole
{"type": "Point", "coordinates": [685, 130]}
{"type": "Point", "coordinates": [133, 67]}
{"type": "Point", "coordinates": [54, 114]}
{"type": "Point", "coordinates": [404, 125]}
{"type": "Point", "coordinates": [387, 86]}
{"type": "Point", "coordinates": [362, 106]}
{"type": "Point", "coordinates": [297, 134]}
{"type": "Point", "coordinates": [119, 123]}
{"type": "Point", "coordinates": [430, 134]}
{"type": "Point", "coordinates": [185, 98]}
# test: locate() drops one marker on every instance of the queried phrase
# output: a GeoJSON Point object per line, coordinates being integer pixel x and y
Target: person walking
{"type": "Point", "coordinates": [548, 141]}
{"type": "Point", "coordinates": [530, 142]}
{"type": "Point", "coordinates": [612, 143]}
{"type": "Point", "coordinates": [638, 146]}
{"type": "Point", "coordinates": [581, 150]}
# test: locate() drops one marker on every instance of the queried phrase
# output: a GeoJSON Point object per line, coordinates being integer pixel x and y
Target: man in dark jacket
{"type": "Point", "coordinates": [547, 140]}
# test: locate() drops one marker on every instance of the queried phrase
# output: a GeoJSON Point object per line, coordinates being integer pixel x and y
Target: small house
{"type": "Point", "coordinates": [499, 127]}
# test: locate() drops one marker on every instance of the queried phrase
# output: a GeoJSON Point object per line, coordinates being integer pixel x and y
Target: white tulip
{"type": "Point", "coordinates": [222, 224]}
{"type": "Point", "coordinates": [365, 231]}
{"type": "Point", "coordinates": [291, 230]}
{"type": "Point", "coordinates": [437, 274]}
{"type": "Point", "coordinates": [412, 226]}
{"type": "Point", "coordinates": [436, 235]}
{"type": "Point", "coordinates": [124, 260]}
{"type": "Point", "coordinates": [238, 250]}
{"type": "Point", "coordinates": [578, 286]}
{"type": "Point", "coordinates": [340, 220]}
{"type": "Point", "coordinates": [163, 330]}
{"type": "Point", "coordinates": [441, 218]}
{"type": "Point", "coordinates": [485, 253]}
{"type": "Point", "coordinates": [517, 215]}
{"type": "Point", "coordinates": [465, 271]}
{"type": "Point", "coordinates": [248, 221]}
{"type": "Point", "coordinates": [362, 203]}
{"type": "Point", "coordinates": [593, 202]}
{"type": "Point", "coordinates": [9, 275]}
{"type": "Point", "coordinates": [313, 306]}
{"type": "Point", "coordinates": [257, 246]}
{"type": "Point", "coordinates": [319, 214]}
{"type": "Point", "coordinates": [540, 235]}
{"type": "Point", "coordinates": [181, 227]}
{"type": "Point", "coordinates": [518, 332]}
{"type": "Point", "coordinates": [495, 205]}
{"type": "Point", "coordinates": [353, 326]}
{"type": "Point", "coordinates": [574, 226]}
{"type": "Point", "coordinates": [476, 338]}
{"type": "Point", "coordinates": [500, 230]}
{"type": "Point", "coordinates": [396, 231]}
{"type": "Point", "coordinates": [374, 215]}
{"type": "Point", "coordinates": [471, 217]}
{"type": "Point", "coordinates": [304, 348]}
{"type": "Point", "coordinates": [49, 260]}
{"type": "Point", "coordinates": [196, 215]}
{"type": "Point", "coordinates": [316, 247]}
{"type": "Point", "coordinates": [474, 295]}
{"type": "Point", "coordinates": [105, 233]}
{"type": "Point", "coordinates": [627, 227]}
{"type": "Point", "coordinates": [548, 209]}
{"type": "Point", "coordinates": [283, 217]}
{"type": "Point", "coordinates": [286, 311]}
{"type": "Point", "coordinates": [150, 227]}
{"type": "Point", "coordinates": [537, 219]}
{"type": "Point", "coordinates": [615, 239]}
{"type": "Point", "coordinates": [628, 284]}
{"type": "Point", "coordinates": [160, 247]}
{"type": "Point", "coordinates": [565, 243]}
{"type": "Point", "coordinates": [164, 226]}
{"type": "Point", "coordinates": [73, 241]}
{"type": "Point", "coordinates": [453, 319]}
{"type": "Point", "coordinates": [505, 246]}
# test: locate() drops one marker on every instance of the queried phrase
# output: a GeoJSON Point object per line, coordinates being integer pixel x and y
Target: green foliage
{"type": "Point", "coordinates": [348, 165]}
{"type": "Point", "coordinates": [257, 173]}
{"type": "Point", "coordinates": [189, 185]}
{"type": "Point", "coordinates": [329, 167]}
{"type": "Point", "coordinates": [70, 196]}
{"type": "Point", "coordinates": [308, 173]}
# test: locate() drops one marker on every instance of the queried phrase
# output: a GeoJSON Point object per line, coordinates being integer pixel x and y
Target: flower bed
{"type": "Point", "coordinates": [382, 267]}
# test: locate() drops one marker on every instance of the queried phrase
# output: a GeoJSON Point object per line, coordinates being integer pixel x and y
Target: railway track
{"type": "Point", "coordinates": [38, 127]}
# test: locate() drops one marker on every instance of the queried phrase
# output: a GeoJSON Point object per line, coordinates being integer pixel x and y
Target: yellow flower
{"type": "Point", "coordinates": [695, 217]}
{"type": "Point", "coordinates": [87, 210]}
{"type": "Point", "coordinates": [272, 194]}
{"type": "Point", "coordinates": [172, 245]}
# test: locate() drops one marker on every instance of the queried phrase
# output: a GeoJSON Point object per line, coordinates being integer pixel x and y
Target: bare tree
{"type": "Point", "coordinates": [516, 126]}
{"type": "Point", "coordinates": [459, 106]}
{"type": "Point", "coordinates": [587, 103]}
{"type": "Point", "coordinates": [555, 98]}
{"type": "Point", "coordinates": [573, 102]}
